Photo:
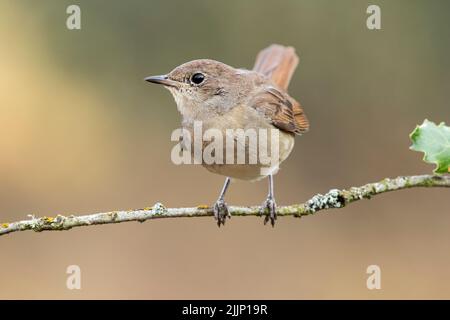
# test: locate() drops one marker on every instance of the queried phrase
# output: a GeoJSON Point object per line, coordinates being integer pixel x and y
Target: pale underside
{"type": "Point", "coordinates": [253, 120]}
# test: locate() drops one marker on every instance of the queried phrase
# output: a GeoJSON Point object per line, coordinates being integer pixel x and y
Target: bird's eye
{"type": "Point", "coordinates": [197, 78]}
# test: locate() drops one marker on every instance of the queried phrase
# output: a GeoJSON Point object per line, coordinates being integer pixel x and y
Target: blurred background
{"type": "Point", "coordinates": [81, 132]}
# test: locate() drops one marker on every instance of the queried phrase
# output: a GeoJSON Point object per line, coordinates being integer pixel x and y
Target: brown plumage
{"type": "Point", "coordinates": [279, 63]}
{"type": "Point", "coordinates": [224, 98]}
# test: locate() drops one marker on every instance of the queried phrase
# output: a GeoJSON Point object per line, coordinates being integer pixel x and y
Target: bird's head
{"type": "Point", "coordinates": [203, 86]}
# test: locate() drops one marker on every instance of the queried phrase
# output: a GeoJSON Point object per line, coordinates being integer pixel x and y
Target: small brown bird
{"type": "Point", "coordinates": [224, 98]}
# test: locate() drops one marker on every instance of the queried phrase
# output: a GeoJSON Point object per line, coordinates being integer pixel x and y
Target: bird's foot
{"type": "Point", "coordinates": [269, 209]}
{"type": "Point", "coordinates": [221, 212]}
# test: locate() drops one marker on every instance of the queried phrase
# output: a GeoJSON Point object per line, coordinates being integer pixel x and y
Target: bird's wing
{"type": "Point", "coordinates": [281, 110]}
{"type": "Point", "coordinates": [278, 63]}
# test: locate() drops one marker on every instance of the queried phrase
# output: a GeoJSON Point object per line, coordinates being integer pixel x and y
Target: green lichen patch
{"type": "Point", "coordinates": [333, 199]}
{"type": "Point", "coordinates": [159, 209]}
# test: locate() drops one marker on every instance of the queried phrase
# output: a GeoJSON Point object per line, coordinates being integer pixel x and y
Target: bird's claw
{"type": "Point", "coordinates": [221, 212]}
{"type": "Point", "coordinates": [269, 209]}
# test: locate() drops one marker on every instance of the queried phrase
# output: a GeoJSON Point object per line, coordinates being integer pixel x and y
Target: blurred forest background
{"type": "Point", "coordinates": [81, 132]}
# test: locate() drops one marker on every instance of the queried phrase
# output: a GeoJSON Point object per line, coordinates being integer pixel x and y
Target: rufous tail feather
{"type": "Point", "coordinates": [278, 63]}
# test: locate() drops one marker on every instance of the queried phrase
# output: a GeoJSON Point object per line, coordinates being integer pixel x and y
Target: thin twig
{"type": "Point", "coordinates": [333, 199]}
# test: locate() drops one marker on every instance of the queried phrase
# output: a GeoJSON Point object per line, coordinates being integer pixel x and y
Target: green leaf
{"type": "Point", "coordinates": [434, 141]}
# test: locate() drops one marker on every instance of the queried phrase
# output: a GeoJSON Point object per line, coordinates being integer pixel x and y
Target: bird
{"type": "Point", "coordinates": [225, 98]}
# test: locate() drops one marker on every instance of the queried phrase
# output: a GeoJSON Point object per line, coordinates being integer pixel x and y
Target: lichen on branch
{"type": "Point", "coordinates": [331, 200]}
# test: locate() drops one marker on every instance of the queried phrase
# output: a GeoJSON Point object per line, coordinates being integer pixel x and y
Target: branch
{"type": "Point", "coordinates": [333, 199]}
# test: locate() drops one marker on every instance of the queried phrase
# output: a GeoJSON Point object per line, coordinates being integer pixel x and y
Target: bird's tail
{"type": "Point", "coordinates": [278, 63]}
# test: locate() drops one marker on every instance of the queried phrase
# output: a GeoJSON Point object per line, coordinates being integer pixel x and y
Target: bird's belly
{"type": "Point", "coordinates": [254, 171]}
{"type": "Point", "coordinates": [250, 121]}
{"type": "Point", "coordinates": [238, 171]}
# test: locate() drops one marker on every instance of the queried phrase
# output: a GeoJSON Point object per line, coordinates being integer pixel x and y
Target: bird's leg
{"type": "Point", "coordinates": [269, 207]}
{"type": "Point", "coordinates": [220, 207]}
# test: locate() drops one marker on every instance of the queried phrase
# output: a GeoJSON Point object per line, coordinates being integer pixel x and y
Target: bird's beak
{"type": "Point", "coordinates": [164, 80]}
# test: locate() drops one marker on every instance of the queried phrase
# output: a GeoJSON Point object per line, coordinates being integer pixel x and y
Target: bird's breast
{"type": "Point", "coordinates": [240, 144]}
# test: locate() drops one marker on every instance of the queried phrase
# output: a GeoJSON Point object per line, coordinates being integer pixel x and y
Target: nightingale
{"type": "Point", "coordinates": [223, 98]}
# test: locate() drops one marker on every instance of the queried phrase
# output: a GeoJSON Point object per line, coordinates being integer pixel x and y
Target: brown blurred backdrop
{"type": "Point", "coordinates": [81, 132]}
